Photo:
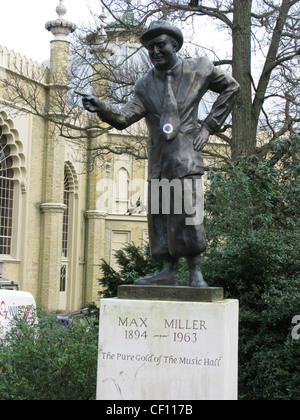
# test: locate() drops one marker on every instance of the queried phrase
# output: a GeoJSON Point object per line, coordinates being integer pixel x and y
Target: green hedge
{"type": "Point", "coordinates": [43, 361]}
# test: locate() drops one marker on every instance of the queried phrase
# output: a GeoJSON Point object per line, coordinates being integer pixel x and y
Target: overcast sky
{"type": "Point", "coordinates": [22, 27]}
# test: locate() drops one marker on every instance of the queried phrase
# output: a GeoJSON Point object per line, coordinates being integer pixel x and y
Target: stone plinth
{"type": "Point", "coordinates": [162, 350]}
{"type": "Point", "coordinates": [173, 293]}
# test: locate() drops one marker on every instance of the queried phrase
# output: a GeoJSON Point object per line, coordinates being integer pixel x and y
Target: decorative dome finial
{"type": "Point", "coordinates": [60, 28]}
{"type": "Point", "coordinates": [61, 9]}
{"type": "Point", "coordinates": [103, 18]}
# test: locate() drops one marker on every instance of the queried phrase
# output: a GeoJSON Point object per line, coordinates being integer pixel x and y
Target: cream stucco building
{"type": "Point", "coordinates": [57, 219]}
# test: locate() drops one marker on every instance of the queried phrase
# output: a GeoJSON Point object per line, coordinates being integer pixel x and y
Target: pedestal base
{"type": "Point", "coordinates": [161, 350]}
{"type": "Point", "coordinates": [171, 293]}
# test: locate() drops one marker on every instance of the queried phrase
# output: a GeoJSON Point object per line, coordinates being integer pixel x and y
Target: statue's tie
{"type": "Point", "coordinates": [169, 120]}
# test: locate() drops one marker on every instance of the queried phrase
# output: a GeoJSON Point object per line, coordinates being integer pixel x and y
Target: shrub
{"type": "Point", "coordinates": [44, 361]}
{"type": "Point", "coordinates": [134, 262]}
{"type": "Point", "coordinates": [253, 230]}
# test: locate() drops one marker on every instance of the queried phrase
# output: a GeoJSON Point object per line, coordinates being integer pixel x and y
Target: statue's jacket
{"type": "Point", "coordinates": [176, 158]}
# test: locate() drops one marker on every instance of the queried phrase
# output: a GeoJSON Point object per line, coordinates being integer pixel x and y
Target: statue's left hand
{"type": "Point", "coordinates": [201, 139]}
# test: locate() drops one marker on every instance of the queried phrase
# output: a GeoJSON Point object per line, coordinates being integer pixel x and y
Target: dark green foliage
{"type": "Point", "coordinates": [134, 262]}
{"type": "Point", "coordinates": [44, 361]}
{"type": "Point", "coordinates": [253, 228]}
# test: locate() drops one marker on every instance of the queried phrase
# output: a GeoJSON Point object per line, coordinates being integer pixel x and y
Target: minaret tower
{"type": "Point", "coordinates": [53, 207]}
{"type": "Point", "coordinates": [59, 60]}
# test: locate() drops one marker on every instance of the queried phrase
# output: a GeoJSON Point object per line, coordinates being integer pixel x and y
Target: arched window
{"type": "Point", "coordinates": [65, 235]}
{"type": "Point", "coordinates": [66, 216]}
{"type": "Point", "coordinates": [13, 188]}
{"type": "Point", "coordinates": [69, 244]}
{"type": "Point", "coordinates": [122, 193]}
{"type": "Point", "coordinates": [6, 196]}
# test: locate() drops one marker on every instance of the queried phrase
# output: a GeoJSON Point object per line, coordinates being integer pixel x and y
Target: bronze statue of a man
{"type": "Point", "coordinates": [168, 97]}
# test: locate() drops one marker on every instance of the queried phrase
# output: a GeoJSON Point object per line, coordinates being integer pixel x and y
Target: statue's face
{"type": "Point", "coordinates": [162, 52]}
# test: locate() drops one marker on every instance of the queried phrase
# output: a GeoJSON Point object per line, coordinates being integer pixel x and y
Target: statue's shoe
{"type": "Point", "coordinates": [161, 279]}
{"type": "Point", "coordinates": [196, 280]}
{"type": "Point", "coordinates": [199, 284]}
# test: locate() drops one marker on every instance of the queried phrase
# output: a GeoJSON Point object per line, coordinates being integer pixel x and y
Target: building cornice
{"type": "Point", "coordinates": [95, 214]}
{"type": "Point", "coordinates": [53, 207]}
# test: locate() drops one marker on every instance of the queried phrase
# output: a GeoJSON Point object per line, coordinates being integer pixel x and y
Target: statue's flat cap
{"type": "Point", "coordinates": [162, 27]}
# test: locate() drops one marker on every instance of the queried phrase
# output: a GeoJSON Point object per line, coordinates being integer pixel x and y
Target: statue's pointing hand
{"type": "Point", "coordinates": [92, 104]}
